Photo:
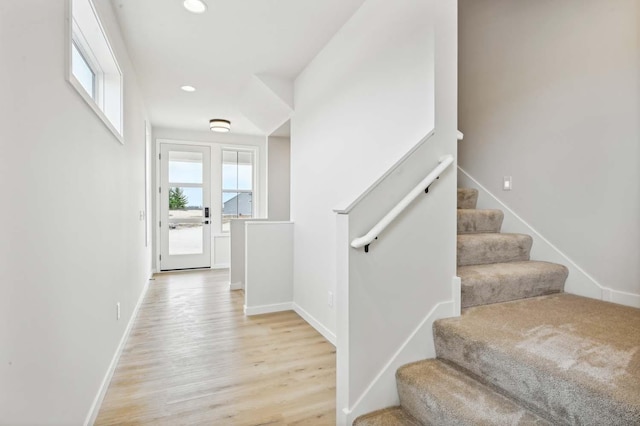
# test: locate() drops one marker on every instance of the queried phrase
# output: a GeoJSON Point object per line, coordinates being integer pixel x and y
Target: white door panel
{"type": "Point", "coordinates": [185, 216]}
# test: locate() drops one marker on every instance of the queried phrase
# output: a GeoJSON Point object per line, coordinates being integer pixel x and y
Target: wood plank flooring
{"type": "Point", "coordinates": [193, 358]}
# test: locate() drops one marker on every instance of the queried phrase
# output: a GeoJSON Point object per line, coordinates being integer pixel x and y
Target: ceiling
{"type": "Point", "coordinates": [219, 52]}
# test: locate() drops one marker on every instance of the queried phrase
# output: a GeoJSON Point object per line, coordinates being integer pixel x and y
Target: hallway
{"type": "Point", "coordinates": [194, 358]}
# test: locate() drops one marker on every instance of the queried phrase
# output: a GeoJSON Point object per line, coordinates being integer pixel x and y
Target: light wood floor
{"type": "Point", "coordinates": [193, 358]}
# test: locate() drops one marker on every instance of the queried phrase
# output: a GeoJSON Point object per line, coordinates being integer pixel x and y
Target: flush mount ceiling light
{"type": "Point", "coordinates": [195, 6]}
{"type": "Point", "coordinates": [219, 125]}
{"type": "Point", "coordinates": [188, 88]}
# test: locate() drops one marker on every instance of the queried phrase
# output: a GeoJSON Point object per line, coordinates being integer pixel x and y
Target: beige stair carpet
{"type": "Point", "coordinates": [523, 352]}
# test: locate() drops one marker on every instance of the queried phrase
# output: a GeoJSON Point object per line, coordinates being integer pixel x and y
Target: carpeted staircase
{"type": "Point", "coordinates": [523, 352]}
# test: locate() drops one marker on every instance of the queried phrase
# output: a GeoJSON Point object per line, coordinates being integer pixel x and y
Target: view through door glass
{"type": "Point", "coordinates": [186, 211]}
{"type": "Point", "coordinates": [185, 216]}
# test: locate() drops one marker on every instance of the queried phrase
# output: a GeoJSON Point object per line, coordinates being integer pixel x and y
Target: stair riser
{"type": "Point", "coordinates": [485, 289]}
{"type": "Point", "coordinates": [467, 198]}
{"type": "Point", "coordinates": [445, 396]}
{"type": "Point", "coordinates": [479, 221]}
{"type": "Point", "coordinates": [476, 250]}
{"type": "Point", "coordinates": [561, 400]}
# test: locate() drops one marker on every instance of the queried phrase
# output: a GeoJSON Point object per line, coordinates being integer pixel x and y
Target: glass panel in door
{"type": "Point", "coordinates": [185, 194]}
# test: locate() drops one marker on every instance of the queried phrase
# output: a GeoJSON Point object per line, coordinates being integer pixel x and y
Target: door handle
{"type": "Point", "coordinates": [206, 222]}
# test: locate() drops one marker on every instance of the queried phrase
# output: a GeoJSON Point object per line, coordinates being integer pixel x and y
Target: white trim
{"type": "Point", "coordinates": [221, 266]}
{"type": "Point", "coordinates": [346, 208]}
{"type": "Point", "coordinates": [102, 391]}
{"type": "Point", "coordinates": [267, 309]}
{"type": "Point", "coordinates": [456, 290]}
{"type": "Point", "coordinates": [236, 286]}
{"type": "Point", "coordinates": [267, 222]}
{"type": "Point", "coordinates": [621, 297]}
{"type": "Point", "coordinates": [320, 328]}
{"type": "Point", "coordinates": [382, 391]}
{"type": "Point", "coordinates": [580, 282]}
{"type": "Point", "coordinates": [99, 73]}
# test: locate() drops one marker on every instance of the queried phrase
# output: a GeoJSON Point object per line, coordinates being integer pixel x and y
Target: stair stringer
{"type": "Point", "coordinates": [382, 391]}
{"type": "Point", "coordinates": [579, 282]}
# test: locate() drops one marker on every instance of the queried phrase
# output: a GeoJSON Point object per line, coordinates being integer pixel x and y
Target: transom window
{"type": "Point", "coordinates": [93, 69]}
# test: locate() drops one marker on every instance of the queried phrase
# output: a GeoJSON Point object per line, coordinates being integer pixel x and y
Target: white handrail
{"type": "Point", "coordinates": [366, 239]}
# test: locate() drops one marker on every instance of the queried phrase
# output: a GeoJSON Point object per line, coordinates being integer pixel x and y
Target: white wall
{"type": "Point", "coordinates": [72, 241]}
{"type": "Point", "coordinates": [279, 178]}
{"type": "Point", "coordinates": [268, 267]}
{"type": "Point", "coordinates": [220, 242]}
{"type": "Point", "coordinates": [361, 104]}
{"type": "Point", "coordinates": [550, 94]}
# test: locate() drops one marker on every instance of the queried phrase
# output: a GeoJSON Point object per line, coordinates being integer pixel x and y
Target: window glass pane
{"type": "Point", "coordinates": [185, 221]}
{"type": "Point", "coordinates": [245, 171]}
{"type": "Point", "coordinates": [82, 71]}
{"type": "Point", "coordinates": [229, 170]}
{"type": "Point", "coordinates": [185, 167]}
{"type": "Point", "coordinates": [236, 205]}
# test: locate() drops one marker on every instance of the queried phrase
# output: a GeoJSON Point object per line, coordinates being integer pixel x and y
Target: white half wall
{"type": "Point", "coordinates": [73, 237]}
{"type": "Point", "coordinates": [268, 267]}
{"type": "Point", "coordinates": [361, 104]}
{"type": "Point", "coordinates": [550, 95]}
{"type": "Point", "coordinates": [237, 254]}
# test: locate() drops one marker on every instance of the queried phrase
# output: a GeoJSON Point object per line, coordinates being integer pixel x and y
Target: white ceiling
{"type": "Point", "coordinates": [219, 51]}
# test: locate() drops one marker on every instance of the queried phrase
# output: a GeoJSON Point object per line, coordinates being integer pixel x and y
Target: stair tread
{"type": "Point", "coordinates": [502, 282]}
{"type": "Point", "coordinates": [393, 416]}
{"type": "Point", "coordinates": [475, 249]}
{"type": "Point", "coordinates": [574, 358]}
{"type": "Point", "coordinates": [479, 220]}
{"type": "Point", "coordinates": [467, 198]}
{"type": "Point", "coordinates": [437, 393]}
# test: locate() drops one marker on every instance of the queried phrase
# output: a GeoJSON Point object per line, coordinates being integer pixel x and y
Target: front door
{"type": "Point", "coordinates": [185, 216]}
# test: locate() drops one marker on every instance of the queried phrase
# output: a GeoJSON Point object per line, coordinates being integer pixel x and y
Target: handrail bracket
{"type": "Point", "coordinates": [426, 190]}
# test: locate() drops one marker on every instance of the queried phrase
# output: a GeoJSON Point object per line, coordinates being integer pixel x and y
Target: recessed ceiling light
{"type": "Point", "coordinates": [195, 6]}
{"type": "Point", "coordinates": [188, 88]}
{"type": "Point", "coordinates": [219, 125]}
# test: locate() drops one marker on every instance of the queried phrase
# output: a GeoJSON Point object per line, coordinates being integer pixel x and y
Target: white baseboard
{"type": "Point", "coordinates": [621, 297]}
{"type": "Point", "coordinates": [267, 309]}
{"type": "Point", "coordinates": [221, 266]}
{"type": "Point", "coordinates": [102, 391]}
{"type": "Point", "coordinates": [236, 286]}
{"type": "Point", "coordinates": [320, 328]}
{"type": "Point", "coordinates": [456, 296]}
{"type": "Point", "coordinates": [579, 282]}
{"type": "Point", "coordinates": [382, 391]}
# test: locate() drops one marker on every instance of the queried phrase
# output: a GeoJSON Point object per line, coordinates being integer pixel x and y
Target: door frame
{"type": "Point", "coordinates": [184, 261]}
{"type": "Point", "coordinates": [259, 184]}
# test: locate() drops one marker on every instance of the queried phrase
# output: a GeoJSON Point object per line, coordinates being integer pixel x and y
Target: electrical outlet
{"type": "Point", "coordinates": [506, 183]}
{"type": "Point", "coordinates": [330, 299]}
{"type": "Point", "coordinates": [118, 311]}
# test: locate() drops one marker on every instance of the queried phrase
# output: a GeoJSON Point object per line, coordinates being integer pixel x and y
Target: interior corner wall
{"type": "Point", "coordinates": [549, 93]}
{"type": "Point", "coordinates": [279, 178]}
{"type": "Point", "coordinates": [73, 242]}
{"type": "Point", "coordinates": [360, 105]}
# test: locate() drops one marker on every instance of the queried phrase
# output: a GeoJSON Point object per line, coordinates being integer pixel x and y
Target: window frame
{"type": "Point", "coordinates": [108, 86]}
{"type": "Point", "coordinates": [223, 190]}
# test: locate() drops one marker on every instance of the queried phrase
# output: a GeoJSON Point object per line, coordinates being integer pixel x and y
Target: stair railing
{"type": "Point", "coordinates": [424, 185]}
